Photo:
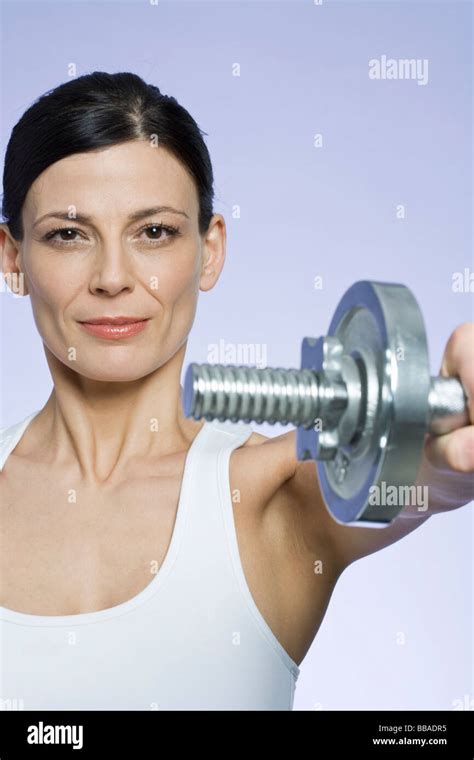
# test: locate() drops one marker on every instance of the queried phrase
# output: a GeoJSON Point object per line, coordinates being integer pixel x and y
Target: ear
{"type": "Point", "coordinates": [214, 248]}
{"type": "Point", "coordinates": [10, 256]}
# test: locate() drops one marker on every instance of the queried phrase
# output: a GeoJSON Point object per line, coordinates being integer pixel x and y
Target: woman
{"type": "Point", "coordinates": [143, 566]}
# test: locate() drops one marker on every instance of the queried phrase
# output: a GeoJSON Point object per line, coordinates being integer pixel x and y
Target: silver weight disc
{"type": "Point", "coordinates": [381, 326]}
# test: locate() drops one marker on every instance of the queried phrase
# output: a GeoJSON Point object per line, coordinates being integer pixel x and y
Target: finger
{"type": "Point", "coordinates": [453, 450]}
{"type": "Point", "coordinates": [458, 361]}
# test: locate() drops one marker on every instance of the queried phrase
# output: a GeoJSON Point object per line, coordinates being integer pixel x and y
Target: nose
{"type": "Point", "coordinates": [112, 271]}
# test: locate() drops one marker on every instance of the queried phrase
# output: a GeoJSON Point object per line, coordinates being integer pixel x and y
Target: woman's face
{"type": "Point", "coordinates": [112, 264]}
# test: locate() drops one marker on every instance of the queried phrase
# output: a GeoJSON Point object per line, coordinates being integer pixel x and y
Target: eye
{"type": "Point", "coordinates": [158, 229]}
{"type": "Point", "coordinates": [60, 231]}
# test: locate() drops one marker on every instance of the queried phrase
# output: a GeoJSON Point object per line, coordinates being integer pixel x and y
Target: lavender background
{"type": "Point", "coordinates": [304, 212]}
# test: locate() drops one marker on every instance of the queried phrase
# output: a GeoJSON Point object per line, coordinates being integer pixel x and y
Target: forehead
{"type": "Point", "coordinates": [114, 181]}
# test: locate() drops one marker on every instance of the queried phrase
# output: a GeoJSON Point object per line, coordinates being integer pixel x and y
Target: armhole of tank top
{"type": "Point", "coordinates": [10, 436]}
{"type": "Point", "coordinates": [223, 474]}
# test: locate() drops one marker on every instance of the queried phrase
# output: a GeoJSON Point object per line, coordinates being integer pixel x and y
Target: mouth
{"type": "Point", "coordinates": [114, 328]}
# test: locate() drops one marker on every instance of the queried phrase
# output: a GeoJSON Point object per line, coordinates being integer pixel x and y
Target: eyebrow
{"type": "Point", "coordinates": [86, 219]}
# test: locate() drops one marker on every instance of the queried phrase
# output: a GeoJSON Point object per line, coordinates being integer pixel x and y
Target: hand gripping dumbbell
{"type": "Point", "coordinates": [362, 400]}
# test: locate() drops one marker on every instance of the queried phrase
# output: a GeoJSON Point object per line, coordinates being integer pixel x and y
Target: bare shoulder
{"type": "Point", "coordinates": [261, 465]}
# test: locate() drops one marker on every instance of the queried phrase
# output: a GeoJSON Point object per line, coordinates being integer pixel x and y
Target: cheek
{"type": "Point", "coordinates": [51, 284]}
{"type": "Point", "coordinates": [174, 279]}
{"type": "Point", "coordinates": [177, 297]}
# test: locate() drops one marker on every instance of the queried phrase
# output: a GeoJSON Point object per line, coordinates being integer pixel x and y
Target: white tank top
{"type": "Point", "coordinates": [192, 639]}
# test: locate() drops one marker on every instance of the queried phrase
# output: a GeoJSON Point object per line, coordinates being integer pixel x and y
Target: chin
{"type": "Point", "coordinates": [123, 371]}
{"type": "Point", "coordinates": [125, 375]}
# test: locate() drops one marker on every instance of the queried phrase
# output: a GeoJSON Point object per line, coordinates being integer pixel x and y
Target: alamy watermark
{"type": "Point", "coordinates": [399, 496]}
{"type": "Point", "coordinates": [399, 68]}
{"type": "Point", "coordinates": [237, 353]}
{"type": "Point", "coordinates": [48, 734]}
{"type": "Point", "coordinates": [13, 283]}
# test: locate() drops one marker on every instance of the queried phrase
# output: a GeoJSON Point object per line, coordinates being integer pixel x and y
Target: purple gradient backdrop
{"type": "Point", "coordinates": [304, 212]}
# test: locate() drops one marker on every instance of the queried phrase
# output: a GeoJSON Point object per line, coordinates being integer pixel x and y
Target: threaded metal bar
{"type": "Point", "coordinates": [226, 392]}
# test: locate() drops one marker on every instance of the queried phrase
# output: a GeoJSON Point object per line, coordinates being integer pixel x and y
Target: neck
{"type": "Point", "coordinates": [101, 427]}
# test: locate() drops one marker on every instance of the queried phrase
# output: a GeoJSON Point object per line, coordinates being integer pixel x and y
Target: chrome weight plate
{"type": "Point", "coordinates": [381, 327]}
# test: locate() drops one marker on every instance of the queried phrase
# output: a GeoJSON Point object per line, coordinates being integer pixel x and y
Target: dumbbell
{"type": "Point", "coordinates": [362, 400]}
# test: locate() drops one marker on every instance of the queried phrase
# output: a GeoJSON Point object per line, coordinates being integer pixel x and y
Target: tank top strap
{"type": "Point", "coordinates": [208, 499]}
{"type": "Point", "coordinates": [9, 436]}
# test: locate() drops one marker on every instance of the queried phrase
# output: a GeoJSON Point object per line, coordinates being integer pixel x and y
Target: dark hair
{"type": "Point", "coordinates": [94, 111]}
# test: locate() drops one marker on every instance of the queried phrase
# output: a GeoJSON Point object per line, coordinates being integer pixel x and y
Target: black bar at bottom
{"type": "Point", "coordinates": [68, 733]}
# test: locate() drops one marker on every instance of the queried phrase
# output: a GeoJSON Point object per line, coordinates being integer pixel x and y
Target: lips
{"type": "Point", "coordinates": [115, 328]}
